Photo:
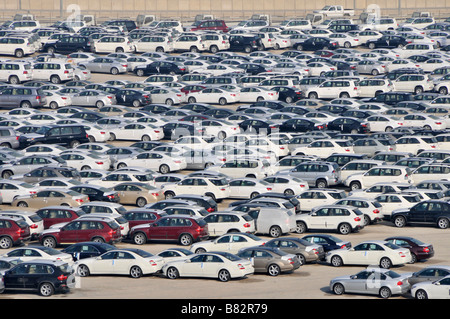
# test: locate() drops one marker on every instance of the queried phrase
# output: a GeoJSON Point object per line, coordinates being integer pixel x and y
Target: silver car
{"type": "Point", "coordinates": [105, 65]}
{"type": "Point", "coordinates": [371, 67]}
{"type": "Point", "coordinates": [8, 137]}
{"type": "Point", "coordinates": [93, 98]}
{"type": "Point", "coordinates": [373, 281]}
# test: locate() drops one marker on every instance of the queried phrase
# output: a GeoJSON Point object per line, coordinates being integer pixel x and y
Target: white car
{"type": "Point", "coordinates": [247, 188]}
{"type": "Point", "coordinates": [222, 266]}
{"type": "Point", "coordinates": [216, 188]}
{"type": "Point", "coordinates": [29, 253]}
{"type": "Point", "coordinates": [391, 202]}
{"type": "Point", "coordinates": [372, 211]}
{"type": "Point", "coordinates": [137, 132]}
{"type": "Point", "coordinates": [81, 160]}
{"type": "Point", "coordinates": [414, 83]}
{"type": "Point", "coordinates": [55, 72]}
{"type": "Point", "coordinates": [383, 123]}
{"type": "Point", "coordinates": [243, 167]}
{"type": "Point", "coordinates": [377, 174]}
{"type": "Point", "coordinates": [374, 252]}
{"type": "Point", "coordinates": [153, 43]}
{"type": "Point", "coordinates": [438, 289]}
{"type": "Point", "coordinates": [157, 161]}
{"type": "Point", "coordinates": [113, 43]}
{"type": "Point", "coordinates": [213, 96]}
{"type": "Point", "coordinates": [372, 87]}
{"type": "Point", "coordinates": [425, 121]}
{"type": "Point", "coordinates": [287, 185]}
{"type": "Point", "coordinates": [10, 189]}
{"type": "Point", "coordinates": [345, 40]}
{"type": "Point", "coordinates": [358, 166]}
{"type": "Point", "coordinates": [133, 262]}
{"type": "Point", "coordinates": [256, 94]}
{"type": "Point", "coordinates": [230, 243]}
{"type": "Point", "coordinates": [223, 222]}
{"type": "Point", "coordinates": [220, 128]}
{"type": "Point", "coordinates": [415, 144]}
{"type": "Point", "coordinates": [333, 88]}
{"type": "Point", "coordinates": [315, 197]}
{"type": "Point", "coordinates": [343, 219]}
{"type": "Point", "coordinates": [323, 148]}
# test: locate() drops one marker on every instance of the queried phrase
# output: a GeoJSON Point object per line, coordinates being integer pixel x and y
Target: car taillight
{"type": "Point", "coordinates": [426, 249]}
{"type": "Point", "coordinates": [66, 71]}
{"type": "Point", "coordinates": [401, 254]}
{"type": "Point", "coordinates": [62, 277]}
{"type": "Point", "coordinates": [152, 262]}
{"type": "Point", "coordinates": [376, 211]}
{"type": "Point", "coordinates": [269, 188]}
{"type": "Point", "coordinates": [177, 161]}
{"type": "Point", "coordinates": [399, 283]}
{"type": "Point", "coordinates": [38, 97]}
{"type": "Point", "coordinates": [240, 266]}
{"type": "Point", "coordinates": [302, 185]}
{"type": "Point", "coordinates": [155, 194]}
{"type": "Point", "coordinates": [25, 72]}
{"type": "Point", "coordinates": [99, 163]}
{"type": "Point", "coordinates": [34, 226]}
{"type": "Point", "coordinates": [291, 261]}
{"type": "Point", "coordinates": [102, 132]}
{"type": "Point", "coordinates": [32, 192]}
{"type": "Point", "coordinates": [109, 97]}
{"type": "Point", "coordinates": [20, 231]}
{"type": "Point", "coordinates": [79, 200]}
{"type": "Point", "coordinates": [156, 131]}
{"type": "Point", "coordinates": [357, 219]}
{"type": "Point", "coordinates": [343, 246]}
{"type": "Point", "coordinates": [210, 210]}
{"type": "Point", "coordinates": [247, 225]}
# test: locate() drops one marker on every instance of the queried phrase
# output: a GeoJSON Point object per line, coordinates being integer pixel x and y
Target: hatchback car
{"type": "Point", "coordinates": [13, 231]}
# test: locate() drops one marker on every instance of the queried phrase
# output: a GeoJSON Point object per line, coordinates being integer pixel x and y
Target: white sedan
{"type": "Point", "coordinates": [132, 262]}
{"type": "Point", "coordinates": [256, 94]}
{"type": "Point", "coordinates": [247, 188]}
{"type": "Point", "coordinates": [137, 132]}
{"type": "Point", "coordinates": [223, 266]}
{"type": "Point", "coordinates": [167, 96]}
{"type": "Point", "coordinates": [375, 252]}
{"type": "Point", "coordinates": [10, 189]}
{"type": "Point", "coordinates": [230, 243]}
{"type": "Point", "coordinates": [157, 161]}
{"type": "Point", "coordinates": [439, 289]}
{"type": "Point", "coordinates": [214, 96]}
{"type": "Point", "coordinates": [42, 253]}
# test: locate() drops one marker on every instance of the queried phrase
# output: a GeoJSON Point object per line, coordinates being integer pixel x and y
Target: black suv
{"type": "Point", "coordinates": [431, 212]}
{"type": "Point", "coordinates": [70, 44]}
{"type": "Point", "coordinates": [244, 42]}
{"type": "Point", "coordinates": [46, 277]}
{"type": "Point", "coordinates": [66, 135]}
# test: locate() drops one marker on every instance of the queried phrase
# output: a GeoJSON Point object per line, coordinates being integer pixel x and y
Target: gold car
{"type": "Point", "coordinates": [51, 197]}
{"type": "Point", "coordinates": [139, 194]}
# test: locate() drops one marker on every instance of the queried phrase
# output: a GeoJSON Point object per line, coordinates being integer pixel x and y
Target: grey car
{"type": "Point", "coordinates": [105, 65]}
{"type": "Point", "coordinates": [430, 273]}
{"type": "Point", "coordinates": [370, 67]}
{"type": "Point", "coordinates": [8, 137]}
{"type": "Point", "coordinates": [27, 164]}
{"type": "Point", "coordinates": [93, 98]}
{"type": "Point", "coordinates": [316, 173]}
{"type": "Point", "coordinates": [304, 250]}
{"type": "Point", "coordinates": [25, 97]}
{"type": "Point", "coordinates": [372, 281]}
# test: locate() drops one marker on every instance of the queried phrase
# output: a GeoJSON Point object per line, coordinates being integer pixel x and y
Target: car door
{"type": "Point", "coordinates": [359, 255]}
{"type": "Point", "coordinates": [70, 232]}
{"type": "Point", "coordinates": [15, 277]}
{"type": "Point", "coordinates": [358, 283]}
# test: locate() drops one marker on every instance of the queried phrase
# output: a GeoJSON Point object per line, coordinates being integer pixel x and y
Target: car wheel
{"type": "Point", "coordinates": [119, 50]}
{"type": "Point", "coordinates": [139, 238]}
{"type": "Point", "coordinates": [141, 202]}
{"type": "Point", "coordinates": [91, 139]}
{"type": "Point", "coordinates": [366, 220]}
{"type": "Point", "coordinates": [344, 95]}
{"type": "Point", "coordinates": [385, 263]}
{"type": "Point", "coordinates": [194, 49]}
{"type": "Point", "coordinates": [375, 72]}
{"type": "Point", "coordinates": [136, 103]}
{"type": "Point", "coordinates": [247, 49]}
{"type": "Point", "coordinates": [253, 195]}
{"type": "Point", "coordinates": [5, 242]}
{"type": "Point", "coordinates": [443, 90]}
{"type": "Point", "coordinates": [224, 275]}
{"type": "Point", "coordinates": [214, 49]}
{"type": "Point", "coordinates": [5, 145]}
{"type": "Point", "coordinates": [192, 100]}
{"type": "Point", "coordinates": [385, 292]}
{"type": "Point", "coordinates": [418, 90]}
{"type": "Point", "coordinates": [443, 223]}
{"type": "Point", "coordinates": [46, 289]}
{"type": "Point", "coordinates": [186, 240]}
{"type": "Point", "coordinates": [301, 259]}
{"type": "Point", "coordinates": [275, 231]}
{"type": "Point", "coordinates": [289, 99]}
{"type": "Point", "coordinates": [55, 79]}
{"type": "Point", "coordinates": [347, 45]}
{"type": "Point", "coordinates": [300, 227]}
{"type": "Point", "coordinates": [338, 289]}
{"type": "Point", "coordinates": [112, 137]}
{"type": "Point", "coordinates": [336, 261]}
{"type": "Point", "coordinates": [172, 273]}
{"type": "Point", "coordinates": [313, 96]}
{"type": "Point", "coordinates": [222, 101]}
{"type": "Point", "coordinates": [74, 144]}
{"type": "Point", "coordinates": [53, 105]}
{"type": "Point", "coordinates": [169, 102]}
{"type": "Point", "coordinates": [19, 53]}
{"type": "Point", "coordinates": [289, 192]}
{"type": "Point", "coordinates": [114, 71]}
{"type": "Point", "coordinates": [13, 80]}
{"type": "Point", "coordinates": [250, 176]}
{"type": "Point", "coordinates": [121, 165]}
{"type": "Point", "coordinates": [146, 138]}
{"type": "Point", "coordinates": [344, 229]}
{"type": "Point", "coordinates": [200, 250]}
{"type": "Point", "coordinates": [25, 105]}
{"type": "Point", "coordinates": [400, 221]}
{"type": "Point", "coordinates": [388, 129]}
{"type": "Point", "coordinates": [371, 46]}
{"type": "Point", "coordinates": [99, 104]}
{"type": "Point", "coordinates": [413, 258]}
{"type": "Point", "coordinates": [83, 271]}
{"type": "Point", "coordinates": [222, 135]}
{"type": "Point", "coordinates": [98, 240]}
{"type": "Point", "coordinates": [168, 195]}
{"type": "Point", "coordinates": [85, 167]}
{"type": "Point", "coordinates": [136, 272]}
{"type": "Point", "coordinates": [273, 270]}
{"type": "Point", "coordinates": [299, 47]}
{"type": "Point", "coordinates": [49, 242]}
{"type": "Point", "coordinates": [355, 185]}
{"type": "Point", "coordinates": [421, 294]}
{"type": "Point", "coordinates": [140, 73]}
{"type": "Point", "coordinates": [22, 204]}
{"type": "Point", "coordinates": [321, 183]}
{"type": "Point", "coordinates": [164, 169]}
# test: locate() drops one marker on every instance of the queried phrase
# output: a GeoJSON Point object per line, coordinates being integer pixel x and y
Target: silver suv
{"type": "Point", "coordinates": [25, 97]}
{"type": "Point", "coordinates": [8, 137]}
{"type": "Point", "coordinates": [316, 173]}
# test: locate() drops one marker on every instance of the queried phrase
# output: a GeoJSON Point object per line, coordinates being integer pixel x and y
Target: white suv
{"type": "Point", "coordinates": [216, 188]}
{"type": "Point", "coordinates": [189, 42]}
{"type": "Point", "coordinates": [416, 83]}
{"type": "Point", "coordinates": [377, 174]}
{"type": "Point", "coordinates": [331, 89]}
{"type": "Point", "coordinates": [153, 43]}
{"type": "Point", "coordinates": [220, 223]}
{"type": "Point", "coordinates": [112, 43]}
{"type": "Point", "coordinates": [15, 72]}
{"type": "Point", "coordinates": [17, 46]}
{"type": "Point", "coordinates": [55, 72]}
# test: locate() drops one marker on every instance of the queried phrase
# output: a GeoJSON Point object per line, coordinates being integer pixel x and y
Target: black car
{"type": "Point", "coordinates": [87, 249]}
{"type": "Point", "coordinates": [348, 125]}
{"type": "Point", "coordinates": [428, 212]}
{"type": "Point", "coordinates": [288, 94]}
{"type": "Point", "coordinates": [97, 193]}
{"type": "Point", "coordinates": [90, 116]}
{"type": "Point", "coordinates": [204, 201]}
{"type": "Point", "coordinates": [419, 250]}
{"type": "Point", "coordinates": [392, 98]}
{"type": "Point", "coordinates": [160, 67]}
{"type": "Point", "coordinates": [244, 42]}
{"type": "Point", "coordinates": [393, 75]}
{"type": "Point", "coordinates": [245, 205]}
{"type": "Point", "coordinates": [256, 126]}
{"type": "Point", "coordinates": [196, 107]}
{"type": "Point", "coordinates": [387, 41]}
{"type": "Point", "coordinates": [316, 43]}
{"type": "Point", "coordinates": [336, 109]}
{"type": "Point", "coordinates": [46, 277]}
{"type": "Point", "coordinates": [69, 44]}
{"type": "Point", "coordinates": [343, 28]}
{"type": "Point", "coordinates": [328, 242]}
{"type": "Point", "coordinates": [129, 97]}
{"type": "Point", "coordinates": [296, 125]}
{"type": "Point", "coordinates": [66, 135]}
{"type": "Point", "coordinates": [252, 68]}
{"type": "Point", "coordinates": [218, 113]}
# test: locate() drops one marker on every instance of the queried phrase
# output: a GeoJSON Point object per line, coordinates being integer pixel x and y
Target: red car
{"type": "Point", "coordinates": [88, 229]}
{"type": "Point", "coordinates": [218, 25]}
{"type": "Point", "coordinates": [192, 88]}
{"type": "Point", "coordinates": [419, 250]}
{"type": "Point", "coordinates": [143, 216]}
{"type": "Point", "coordinates": [182, 228]}
{"type": "Point", "coordinates": [58, 214]}
{"type": "Point", "coordinates": [13, 231]}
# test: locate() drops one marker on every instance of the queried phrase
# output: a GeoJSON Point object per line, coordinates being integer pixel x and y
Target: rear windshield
{"type": "Point", "coordinates": [247, 217]}
{"type": "Point", "coordinates": [201, 222]}
{"type": "Point", "coordinates": [337, 195]}
{"type": "Point", "coordinates": [219, 182]}
{"type": "Point", "coordinates": [21, 223]}
{"type": "Point", "coordinates": [35, 218]}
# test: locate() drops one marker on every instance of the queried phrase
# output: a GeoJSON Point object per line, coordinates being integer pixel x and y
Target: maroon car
{"type": "Point", "coordinates": [58, 214]}
{"type": "Point", "coordinates": [143, 216]}
{"type": "Point", "coordinates": [218, 25]}
{"type": "Point", "coordinates": [192, 88]}
{"type": "Point", "coordinates": [13, 231]}
{"type": "Point", "coordinates": [182, 228]}
{"type": "Point", "coordinates": [418, 249]}
{"type": "Point", "coordinates": [88, 229]}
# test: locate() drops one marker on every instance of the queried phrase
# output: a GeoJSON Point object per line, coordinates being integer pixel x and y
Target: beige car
{"type": "Point", "coordinates": [139, 194]}
{"type": "Point", "coordinates": [51, 197]}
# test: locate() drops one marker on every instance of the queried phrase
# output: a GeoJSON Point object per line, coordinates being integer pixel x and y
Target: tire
{"type": "Point", "coordinates": [253, 195]}
{"type": "Point", "coordinates": [53, 105]}
{"type": "Point", "coordinates": [140, 73]}
{"type": "Point", "coordinates": [13, 79]}
{"type": "Point", "coordinates": [224, 275]}
{"type": "Point", "coordinates": [164, 169]}
{"type": "Point", "coordinates": [344, 229]}
{"type": "Point", "coordinates": [355, 185]}
{"type": "Point", "coordinates": [248, 49]}
{"type": "Point", "coordinates": [200, 250]}
{"type": "Point", "coordinates": [55, 79]}
{"type": "Point", "coordinates": [222, 135]}
{"type": "Point", "coordinates": [22, 204]}
{"type": "Point", "coordinates": [91, 139]}
{"type": "Point", "coordinates": [49, 242]}
{"type": "Point", "coordinates": [192, 100]}
{"type": "Point", "coordinates": [5, 242]}
{"type": "Point", "coordinates": [300, 227]}
{"type": "Point", "coordinates": [399, 221]}
{"type": "Point", "coordinates": [214, 49]}
{"type": "Point", "coordinates": [413, 258]}
{"type": "Point", "coordinates": [139, 238]}
{"type": "Point", "coordinates": [371, 46]}
{"type": "Point", "coordinates": [313, 96]}
{"type": "Point", "coordinates": [388, 129]}
{"type": "Point", "coordinates": [5, 145]}
{"type": "Point", "coordinates": [347, 45]}
{"type": "Point", "coordinates": [344, 95]}
{"type": "Point", "coordinates": [168, 195]}
{"type": "Point", "coordinates": [169, 102]}
{"type": "Point", "coordinates": [146, 138]}
{"type": "Point", "coordinates": [114, 71]}
{"type": "Point", "coordinates": [19, 53]}
{"type": "Point", "coordinates": [141, 202]}
{"type": "Point", "coordinates": [385, 263]}
{"type": "Point", "coordinates": [99, 104]}
{"type": "Point", "coordinates": [289, 99]}
{"type": "Point", "coordinates": [336, 261]}
{"type": "Point", "coordinates": [375, 72]}
{"type": "Point", "coordinates": [7, 174]}
{"type": "Point", "coordinates": [160, 49]}
{"type": "Point", "coordinates": [289, 192]}
{"type": "Point", "coordinates": [366, 219]}
{"type": "Point", "coordinates": [275, 232]}
{"type": "Point", "coordinates": [85, 167]}
{"type": "Point", "coordinates": [250, 176]}
{"type": "Point", "coordinates": [273, 270]}
{"type": "Point", "coordinates": [186, 240]}
{"type": "Point", "coordinates": [321, 183]}
{"type": "Point", "coordinates": [50, 50]}
{"type": "Point", "coordinates": [136, 103]}
{"type": "Point", "coordinates": [222, 101]}
{"type": "Point", "coordinates": [46, 289]}
{"type": "Point", "coordinates": [418, 90]}
{"type": "Point", "coordinates": [119, 50]}
{"type": "Point", "coordinates": [25, 104]}
{"type": "Point", "coordinates": [112, 137]}
{"type": "Point", "coordinates": [301, 259]}
{"type": "Point", "coordinates": [299, 47]}
{"type": "Point", "coordinates": [193, 49]}
{"type": "Point", "coordinates": [98, 240]}
{"type": "Point", "coordinates": [121, 165]}
{"type": "Point", "coordinates": [421, 294]}
{"type": "Point", "coordinates": [74, 143]}
{"type": "Point", "coordinates": [443, 223]}
{"type": "Point", "coordinates": [83, 271]}
{"type": "Point", "coordinates": [338, 289]}
{"type": "Point", "coordinates": [443, 90]}
{"type": "Point", "coordinates": [385, 292]}
{"type": "Point", "coordinates": [136, 272]}
{"type": "Point", "coordinates": [172, 273]}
